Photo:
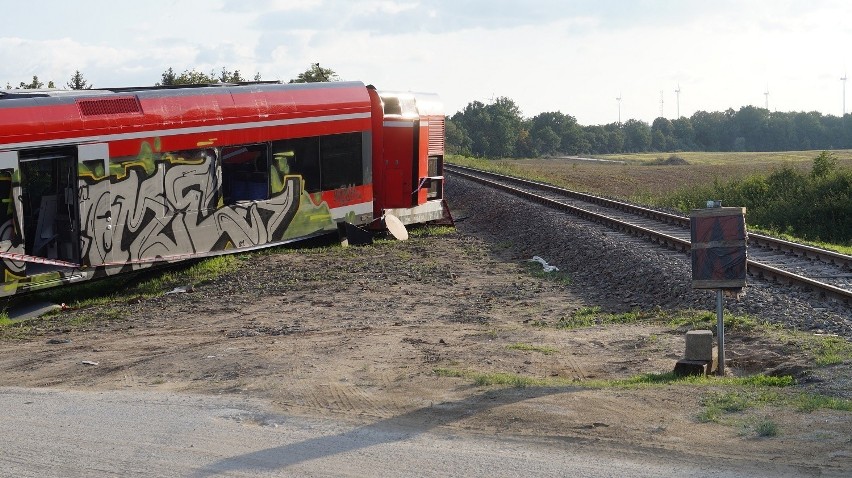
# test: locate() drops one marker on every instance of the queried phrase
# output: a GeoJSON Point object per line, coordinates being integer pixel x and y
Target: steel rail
{"type": "Point", "coordinates": [754, 268]}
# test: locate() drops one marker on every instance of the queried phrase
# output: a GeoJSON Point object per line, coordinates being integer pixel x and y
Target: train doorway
{"type": "Point", "coordinates": [50, 208]}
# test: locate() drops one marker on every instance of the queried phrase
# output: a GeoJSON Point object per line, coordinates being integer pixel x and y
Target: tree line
{"type": "Point", "coordinates": [498, 130]}
{"type": "Point", "coordinates": [315, 73]}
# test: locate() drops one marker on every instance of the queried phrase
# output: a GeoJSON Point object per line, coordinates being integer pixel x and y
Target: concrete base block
{"type": "Point", "coordinates": [699, 345]}
{"type": "Point", "coordinates": [685, 367]}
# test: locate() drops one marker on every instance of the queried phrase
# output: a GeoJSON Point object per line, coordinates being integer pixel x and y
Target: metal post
{"type": "Point", "coordinates": [720, 333]}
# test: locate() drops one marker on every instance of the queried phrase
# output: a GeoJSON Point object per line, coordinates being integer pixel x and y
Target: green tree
{"type": "Point", "coordinates": [316, 74]}
{"type": "Point", "coordinates": [684, 134]}
{"type": "Point", "coordinates": [77, 82]}
{"type": "Point", "coordinates": [637, 136]}
{"type": "Point", "coordinates": [572, 139]}
{"type": "Point", "coordinates": [495, 130]}
{"type": "Point", "coordinates": [615, 138]}
{"type": "Point", "coordinates": [168, 78]}
{"type": "Point", "coordinates": [226, 76]}
{"type": "Point", "coordinates": [709, 130]}
{"type": "Point", "coordinates": [458, 141]}
{"type": "Point", "coordinates": [809, 130]}
{"type": "Point", "coordinates": [750, 123]}
{"type": "Point", "coordinates": [35, 84]}
{"type": "Point", "coordinates": [197, 77]}
{"type": "Point", "coordinates": [662, 135]}
{"type": "Point", "coordinates": [824, 164]}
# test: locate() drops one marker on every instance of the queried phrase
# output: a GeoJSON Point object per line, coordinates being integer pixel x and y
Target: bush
{"type": "Point", "coordinates": [811, 206]}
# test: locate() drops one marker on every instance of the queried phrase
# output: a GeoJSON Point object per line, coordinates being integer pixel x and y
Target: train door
{"type": "Point", "coordinates": [95, 202]}
{"type": "Point", "coordinates": [50, 209]}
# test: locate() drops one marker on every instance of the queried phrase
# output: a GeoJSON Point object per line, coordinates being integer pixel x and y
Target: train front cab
{"type": "Point", "coordinates": [408, 156]}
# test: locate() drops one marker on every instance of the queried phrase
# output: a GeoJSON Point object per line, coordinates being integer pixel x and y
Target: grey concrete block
{"type": "Point", "coordinates": [685, 367]}
{"type": "Point", "coordinates": [699, 345]}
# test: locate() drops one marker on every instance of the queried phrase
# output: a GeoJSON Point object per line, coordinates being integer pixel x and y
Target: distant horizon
{"type": "Point", "coordinates": [63, 86]}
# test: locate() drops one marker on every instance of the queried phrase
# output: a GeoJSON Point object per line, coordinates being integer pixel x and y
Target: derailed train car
{"type": "Point", "coordinates": [102, 182]}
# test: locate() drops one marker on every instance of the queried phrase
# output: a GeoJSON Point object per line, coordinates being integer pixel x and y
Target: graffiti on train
{"type": "Point", "coordinates": [162, 205]}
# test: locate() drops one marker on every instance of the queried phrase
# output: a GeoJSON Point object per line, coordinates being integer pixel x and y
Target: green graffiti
{"type": "Point", "coordinates": [147, 159]}
{"type": "Point", "coordinates": [309, 218]}
{"type": "Point", "coordinates": [278, 171]}
{"type": "Point", "coordinates": [85, 169]}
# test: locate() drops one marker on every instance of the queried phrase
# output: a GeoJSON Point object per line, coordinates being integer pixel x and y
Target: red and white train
{"type": "Point", "coordinates": [100, 182]}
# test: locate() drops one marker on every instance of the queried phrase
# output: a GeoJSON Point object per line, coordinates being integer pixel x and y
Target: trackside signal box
{"type": "Point", "coordinates": [719, 245]}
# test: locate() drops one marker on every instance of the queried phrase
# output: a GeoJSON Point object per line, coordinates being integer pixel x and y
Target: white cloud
{"type": "Point", "coordinates": [546, 55]}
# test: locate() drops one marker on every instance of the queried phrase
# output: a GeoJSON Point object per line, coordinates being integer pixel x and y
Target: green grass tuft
{"type": "Point", "coordinates": [590, 316]}
{"type": "Point", "coordinates": [446, 372]}
{"type": "Point", "coordinates": [510, 379]}
{"type": "Point", "coordinates": [532, 348]}
{"type": "Point", "coordinates": [766, 428]}
{"type": "Point", "coordinates": [809, 402]}
{"type": "Point", "coordinates": [431, 231]}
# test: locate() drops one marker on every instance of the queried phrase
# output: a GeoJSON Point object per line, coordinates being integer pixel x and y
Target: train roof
{"type": "Point", "coordinates": [31, 118]}
{"type": "Point", "coordinates": [164, 90]}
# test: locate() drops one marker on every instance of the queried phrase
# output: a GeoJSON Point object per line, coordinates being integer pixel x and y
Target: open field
{"type": "Point", "coordinates": [636, 178]}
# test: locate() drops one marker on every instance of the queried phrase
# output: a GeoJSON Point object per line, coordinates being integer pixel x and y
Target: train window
{"type": "Point", "coordinates": [341, 159]}
{"type": "Point", "coordinates": [301, 156]}
{"type": "Point", "coordinates": [245, 173]}
{"type": "Point", "coordinates": [190, 180]}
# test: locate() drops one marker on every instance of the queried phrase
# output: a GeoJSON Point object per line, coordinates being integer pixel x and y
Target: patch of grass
{"type": "Point", "coordinates": [446, 372]}
{"type": "Point", "coordinates": [841, 248]}
{"type": "Point", "coordinates": [589, 316]}
{"type": "Point", "coordinates": [510, 379]}
{"type": "Point", "coordinates": [431, 231]}
{"type": "Point", "coordinates": [729, 402]}
{"type": "Point", "coordinates": [583, 317]}
{"type": "Point", "coordinates": [83, 319]}
{"type": "Point", "coordinates": [653, 379]}
{"type": "Point", "coordinates": [205, 270]}
{"type": "Point", "coordinates": [766, 428]}
{"type": "Point", "coordinates": [709, 415]}
{"type": "Point", "coordinates": [829, 350]}
{"type": "Point", "coordinates": [809, 402]}
{"type": "Point", "coordinates": [705, 320]}
{"type": "Point", "coordinates": [532, 348]}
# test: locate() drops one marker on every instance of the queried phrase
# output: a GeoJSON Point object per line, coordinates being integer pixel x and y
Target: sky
{"type": "Point", "coordinates": [573, 56]}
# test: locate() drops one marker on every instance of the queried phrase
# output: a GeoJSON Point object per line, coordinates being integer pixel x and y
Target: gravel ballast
{"type": "Point", "coordinates": [619, 272]}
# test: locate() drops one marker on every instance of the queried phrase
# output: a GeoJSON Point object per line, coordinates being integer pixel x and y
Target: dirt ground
{"type": "Point", "coordinates": [396, 333]}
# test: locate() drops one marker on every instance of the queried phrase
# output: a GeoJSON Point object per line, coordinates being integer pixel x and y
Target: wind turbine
{"type": "Point", "coordinates": [843, 79]}
{"type": "Point", "coordinates": [661, 103]}
{"type": "Point", "coordinates": [677, 92]}
{"type": "Point", "coordinates": [766, 94]}
{"type": "Point", "coordinates": [619, 108]}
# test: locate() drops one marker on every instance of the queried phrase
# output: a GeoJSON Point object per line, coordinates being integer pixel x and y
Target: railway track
{"type": "Point", "coordinates": [827, 273]}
